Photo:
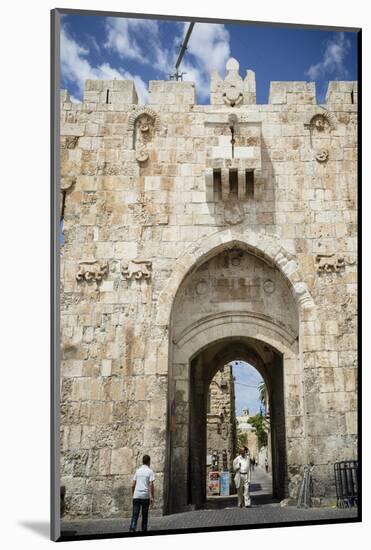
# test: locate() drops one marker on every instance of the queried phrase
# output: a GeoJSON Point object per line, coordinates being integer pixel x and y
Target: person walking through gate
{"type": "Point", "coordinates": [241, 465]}
{"type": "Point", "coordinates": [143, 493]}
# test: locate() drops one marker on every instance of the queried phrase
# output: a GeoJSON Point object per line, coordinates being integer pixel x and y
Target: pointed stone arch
{"type": "Point", "coordinates": [266, 247]}
{"type": "Point", "coordinates": [140, 111]}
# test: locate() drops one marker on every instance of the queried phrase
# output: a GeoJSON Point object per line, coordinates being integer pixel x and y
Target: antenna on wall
{"type": "Point", "coordinates": [177, 75]}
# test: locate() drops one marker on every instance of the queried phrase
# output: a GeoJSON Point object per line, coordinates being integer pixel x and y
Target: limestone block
{"type": "Point", "coordinates": [87, 437]}
{"type": "Point", "coordinates": [351, 422]}
{"type": "Point", "coordinates": [121, 461]}
{"type": "Point", "coordinates": [72, 129]}
{"type": "Point", "coordinates": [81, 389]}
{"type": "Point", "coordinates": [158, 408]}
{"type": "Point", "coordinates": [106, 367]}
{"type": "Point", "coordinates": [74, 436]}
{"type": "Point", "coordinates": [101, 413]}
{"type": "Point", "coordinates": [71, 368]}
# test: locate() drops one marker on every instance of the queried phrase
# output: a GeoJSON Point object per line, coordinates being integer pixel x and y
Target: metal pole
{"type": "Point", "coordinates": [184, 45]}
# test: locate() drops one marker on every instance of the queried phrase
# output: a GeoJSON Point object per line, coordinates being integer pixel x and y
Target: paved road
{"type": "Point", "coordinates": [220, 512]}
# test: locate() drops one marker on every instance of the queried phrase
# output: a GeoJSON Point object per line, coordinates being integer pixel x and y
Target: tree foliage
{"type": "Point", "coordinates": [257, 422]}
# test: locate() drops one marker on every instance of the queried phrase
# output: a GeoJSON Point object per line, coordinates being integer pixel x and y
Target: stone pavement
{"type": "Point", "coordinates": [219, 512]}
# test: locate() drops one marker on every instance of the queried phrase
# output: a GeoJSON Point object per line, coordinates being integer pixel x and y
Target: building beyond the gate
{"type": "Point", "coordinates": [221, 420]}
{"type": "Point", "coordinates": [195, 235]}
{"type": "Point", "coordinates": [249, 433]}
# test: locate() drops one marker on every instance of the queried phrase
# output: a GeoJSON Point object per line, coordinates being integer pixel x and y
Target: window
{"type": "Point", "coordinates": [217, 182]}
{"type": "Point", "coordinates": [249, 183]}
{"type": "Point", "coordinates": [233, 184]}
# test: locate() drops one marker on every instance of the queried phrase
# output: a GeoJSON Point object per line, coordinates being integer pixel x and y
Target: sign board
{"type": "Point", "coordinates": [213, 483]}
{"type": "Point", "coordinates": [224, 483]}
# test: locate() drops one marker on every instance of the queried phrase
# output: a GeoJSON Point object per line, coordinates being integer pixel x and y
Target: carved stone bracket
{"type": "Point", "coordinates": [233, 213]}
{"type": "Point", "coordinates": [67, 182]}
{"type": "Point", "coordinates": [139, 269]}
{"type": "Point", "coordinates": [92, 270]}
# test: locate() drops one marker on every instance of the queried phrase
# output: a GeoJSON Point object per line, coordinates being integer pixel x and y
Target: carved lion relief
{"type": "Point", "coordinates": [92, 270]}
{"type": "Point", "coordinates": [139, 269]}
{"type": "Point", "coordinates": [332, 263]}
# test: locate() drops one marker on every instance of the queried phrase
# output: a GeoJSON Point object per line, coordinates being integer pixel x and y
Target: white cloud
{"type": "Point", "coordinates": [209, 51]}
{"type": "Point", "coordinates": [74, 99]}
{"type": "Point", "coordinates": [137, 40]}
{"type": "Point", "coordinates": [140, 40]}
{"type": "Point", "coordinates": [122, 34]}
{"type": "Point", "coordinates": [332, 62]}
{"type": "Point", "coordinates": [209, 44]}
{"type": "Point", "coordinates": [76, 68]}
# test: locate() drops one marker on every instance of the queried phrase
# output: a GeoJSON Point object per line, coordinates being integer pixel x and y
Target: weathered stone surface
{"type": "Point", "coordinates": [192, 241]}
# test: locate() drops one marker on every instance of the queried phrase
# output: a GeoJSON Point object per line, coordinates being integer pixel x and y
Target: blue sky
{"type": "Point", "coordinates": [247, 380]}
{"type": "Point", "coordinates": [144, 49]}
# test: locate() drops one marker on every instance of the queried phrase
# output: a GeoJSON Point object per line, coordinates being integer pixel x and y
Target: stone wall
{"type": "Point", "coordinates": [150, 192]}
{"type": "Point", "coordinates": [221, 419]}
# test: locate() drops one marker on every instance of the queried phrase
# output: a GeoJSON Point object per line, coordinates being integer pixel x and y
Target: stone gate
{"type": "Point", "coordinates": [195, 235]}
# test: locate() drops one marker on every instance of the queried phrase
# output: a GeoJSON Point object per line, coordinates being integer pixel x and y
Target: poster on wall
{"type": "Point", "coordinates": [204, 274]}
{"type": "Point", "coordinates": [214, 482]}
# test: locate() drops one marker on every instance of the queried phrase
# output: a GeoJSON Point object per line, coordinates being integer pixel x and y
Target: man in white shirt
{"type": "Point", "coordinates": [143, 493]}
{"type": "Point", "coordinates": [241, 465]}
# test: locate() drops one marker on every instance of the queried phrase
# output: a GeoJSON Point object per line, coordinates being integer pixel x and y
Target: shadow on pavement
{"type": "Point", "coordinates": [40, 527]}
{"type": "Point", "coordinates": [218, 503]}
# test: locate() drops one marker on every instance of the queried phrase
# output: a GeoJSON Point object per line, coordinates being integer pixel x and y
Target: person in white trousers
{"type": "Point", "coordinates": [241, 465]}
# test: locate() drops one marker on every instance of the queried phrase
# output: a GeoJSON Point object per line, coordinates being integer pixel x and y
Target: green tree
{"type": "Point", "coordinates": [263, 393]}
{"type": "Point", "coordinates": [257, 422]}
{"type": "Point", "coordinates": [241, 439]}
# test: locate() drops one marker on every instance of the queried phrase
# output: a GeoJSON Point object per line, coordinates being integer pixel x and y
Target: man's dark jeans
{"type": "Point", "coordinates": [137, 504]}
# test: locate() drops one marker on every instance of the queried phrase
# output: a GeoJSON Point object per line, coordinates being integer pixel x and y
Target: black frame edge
{"type": "Point", "coordinates": [55, 520]}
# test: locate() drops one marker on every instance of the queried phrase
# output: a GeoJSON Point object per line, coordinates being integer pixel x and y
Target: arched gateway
{"type": "Point", "coordinates": [233, 296]}
{"type": "Point", "coordinates": [182, 249]}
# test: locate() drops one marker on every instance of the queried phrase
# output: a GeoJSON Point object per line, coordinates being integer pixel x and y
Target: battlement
{"type": "Point", "coordinates": [110, 91]}
{"type": "Point", "coordinates": [292, 93]}
{"type": "Point", "coordinates": [232, 91]}
{"type": "Point", "coordinates": [342, 91]}
{"type": "Point", "coordinates": [164, 92]}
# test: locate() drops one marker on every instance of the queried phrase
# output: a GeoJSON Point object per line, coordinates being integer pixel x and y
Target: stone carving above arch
{"type": "Point", "coordinates": [92, 271]}
{"type": "Point", "coordinates": [233, 213]}
{"type": "Point", "coordinates": [137, 269]}
{"type": "Point", "coordinates": [266, 247]}
{"type": "Point", "coordinates": [143, 122]}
